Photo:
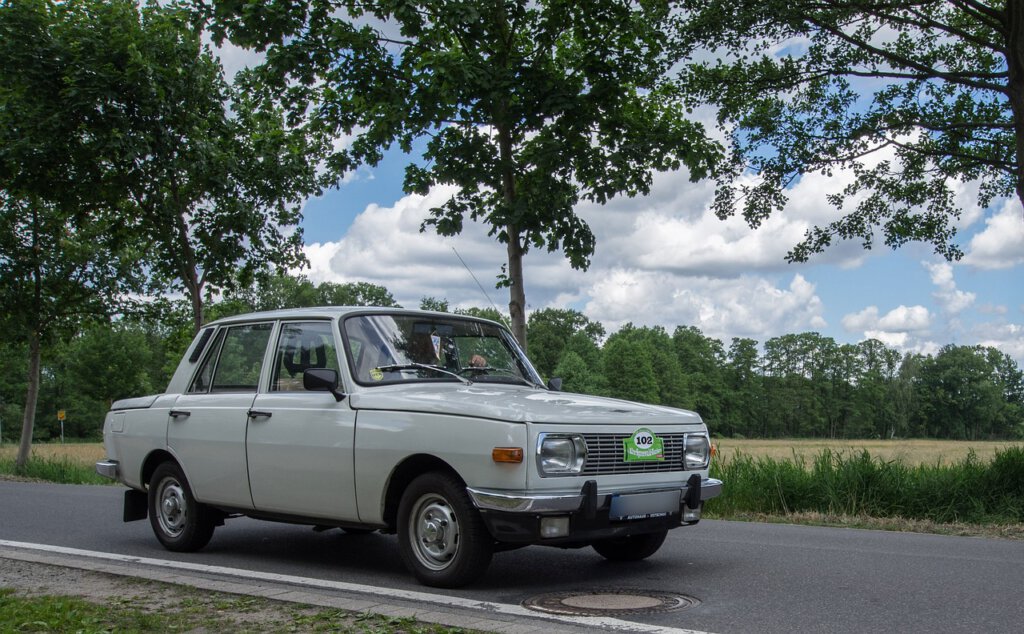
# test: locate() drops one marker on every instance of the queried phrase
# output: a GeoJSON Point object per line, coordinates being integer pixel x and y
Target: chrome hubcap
{"type": "Point", "coordinates": [172, 509]}
{"type": "Point", "coordinates": [435, 532]}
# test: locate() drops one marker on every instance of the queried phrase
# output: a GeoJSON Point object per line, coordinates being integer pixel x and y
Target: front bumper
{"type": "Point", "coordinates": [518, 517]}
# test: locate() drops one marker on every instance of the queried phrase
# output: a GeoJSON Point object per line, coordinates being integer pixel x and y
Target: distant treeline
{"type": "Point", "coordinates": [799, 385]}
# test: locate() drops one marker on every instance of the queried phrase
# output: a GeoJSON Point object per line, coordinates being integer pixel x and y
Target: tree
{"type": "Point", "coordinates": [629, 370]}
{"type": "Point", "coordinates": [911, 96]}
{"type": "Point", "coordinates": [700, 360]}
{"type": "Point", "coordinates": [550, 330]}
{"type": "Point", "coordinates": [527, 108]}
{"type": "Point", "coordinates": [878, 388]}
{"type": "Point", "coordinates": [63, 256]}
{"type": "Point", "coordinates": [578, 376]}
{"type": "Point", "coordinates": [216, 176]}
{"type": "Point", "coordinates": [276, 291]}
{"type": "Point", "coordinates": [743, 405]}
{"type": "Point", "coordinates": [961, 397]}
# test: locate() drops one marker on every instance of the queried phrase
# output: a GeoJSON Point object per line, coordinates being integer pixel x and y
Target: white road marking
{"type": "Point", "coordinates": [406, 595]}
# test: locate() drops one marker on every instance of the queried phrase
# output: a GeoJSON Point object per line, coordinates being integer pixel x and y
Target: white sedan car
{"type": "Point", "coordinates": [429, 425]}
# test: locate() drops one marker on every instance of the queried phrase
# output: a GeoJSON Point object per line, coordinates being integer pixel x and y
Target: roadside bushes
{"type": "Point", "coordinates": [854, 483]}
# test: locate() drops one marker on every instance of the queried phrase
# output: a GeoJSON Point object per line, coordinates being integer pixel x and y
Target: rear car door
{"type": "Point", "coordinates": [207, 426]}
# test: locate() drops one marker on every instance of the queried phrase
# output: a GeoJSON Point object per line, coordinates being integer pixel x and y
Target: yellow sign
{"type": "Point", "coordinates": [60, 414]}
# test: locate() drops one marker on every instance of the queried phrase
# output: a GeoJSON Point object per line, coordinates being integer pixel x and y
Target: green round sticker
{"type": "Point", "coordinates": [376, 374]}
{"type": "Point", "coordinates": [643, 446]}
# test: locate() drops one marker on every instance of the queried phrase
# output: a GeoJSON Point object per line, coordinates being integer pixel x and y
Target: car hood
{"type": "Point", "coordinates": [517, 404]}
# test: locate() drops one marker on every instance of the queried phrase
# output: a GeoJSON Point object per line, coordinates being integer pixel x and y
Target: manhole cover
{"type": "Point", "coordinates": [609, 602]}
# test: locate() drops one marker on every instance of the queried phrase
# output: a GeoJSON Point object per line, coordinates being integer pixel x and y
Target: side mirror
{"type": "Point", "coordinates": [322, 380]}
{"type": "Point", "coordinates": [555, 385]}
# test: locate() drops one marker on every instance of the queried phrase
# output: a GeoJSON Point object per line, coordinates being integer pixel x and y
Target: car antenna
{"type": "Point", "coordinates": [480, 286]}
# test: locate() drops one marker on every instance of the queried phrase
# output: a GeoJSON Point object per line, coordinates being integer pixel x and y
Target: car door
{"type": "Point", "coordinates": [207, 426]}
{"type": "Point", "coordinates": [300, 443]}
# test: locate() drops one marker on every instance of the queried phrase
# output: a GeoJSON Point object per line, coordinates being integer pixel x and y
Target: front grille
{"type": "Point", "coordinates": [605, 455]}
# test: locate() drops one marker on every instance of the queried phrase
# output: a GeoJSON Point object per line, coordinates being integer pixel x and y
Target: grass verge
{"type": "Point", "coordinates": [59, 469]}
{"type": "Point", "coordinates": [855, 484]}
{"type": "Point", "coordinates": [191, 613]}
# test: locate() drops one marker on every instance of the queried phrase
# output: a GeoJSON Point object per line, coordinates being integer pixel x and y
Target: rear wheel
{"type": "Point", "coordinates": [441, 535]}
{"type": "Point", "coordinates": [631, 548]}
{"type": "Point", "coordinates": [179, 522]}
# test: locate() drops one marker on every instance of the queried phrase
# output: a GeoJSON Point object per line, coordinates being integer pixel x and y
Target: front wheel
{"type": "Point", "coordinates": [179, 522]}
{"type": "Point", "coordinates": [632, 547]}
{"type": "Point", "coordinates": [441, 535]}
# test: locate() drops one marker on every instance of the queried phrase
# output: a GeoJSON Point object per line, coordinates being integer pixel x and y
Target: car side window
{"type": "Point", "coordinates": [301, 346]}
{"type": "Point", "coordinates": [241, 358]}
{"type": "Point", "coordinates": [204, 378]}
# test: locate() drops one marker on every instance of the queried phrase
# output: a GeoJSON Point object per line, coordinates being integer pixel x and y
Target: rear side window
{"type": "Point", "coordinates": [235, 360]}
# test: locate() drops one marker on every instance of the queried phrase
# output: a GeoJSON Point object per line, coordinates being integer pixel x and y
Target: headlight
{"type": "Point", "coordinates": [560, 454]}
{"type": "Point", "coordinates": [697, 452]}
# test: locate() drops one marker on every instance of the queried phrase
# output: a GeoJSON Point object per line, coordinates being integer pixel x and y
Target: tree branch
{"type": "Point", "coordinates": [901, 61]}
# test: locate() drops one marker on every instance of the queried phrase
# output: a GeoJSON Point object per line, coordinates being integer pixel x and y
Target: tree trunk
{"type": "Point", "coordinates": [31, 397]}
{"type": "Point", "coordinates": [1014, 17]}
{"type": "Point", "coordinates": [516, 291]}
{"type": "Point", "coordinates": [195, 294]}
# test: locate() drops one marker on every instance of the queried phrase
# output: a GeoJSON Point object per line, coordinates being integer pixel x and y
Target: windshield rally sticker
{"type": "Point", "coordinates": [643, 446]}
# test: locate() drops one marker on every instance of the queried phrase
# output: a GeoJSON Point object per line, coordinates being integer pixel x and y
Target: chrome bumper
{"type": "Point", "coordinates": [108, 469]}
{"type": "Point", "coordinates": [565, 503]}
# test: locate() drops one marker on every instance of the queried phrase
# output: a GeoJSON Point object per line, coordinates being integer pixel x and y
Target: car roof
{"type": "Point", "coordinates": [333, 312]}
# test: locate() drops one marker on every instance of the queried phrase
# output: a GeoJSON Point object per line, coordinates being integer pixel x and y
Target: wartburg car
{"type": "Point", "coordinates": [431, 426]}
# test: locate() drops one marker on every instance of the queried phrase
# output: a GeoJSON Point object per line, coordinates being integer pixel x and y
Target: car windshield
{"type": "Point", "coordinates": [392, 348]}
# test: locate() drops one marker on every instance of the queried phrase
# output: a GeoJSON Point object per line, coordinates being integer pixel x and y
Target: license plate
{"type": "Point", "coordinates": [642, 506]}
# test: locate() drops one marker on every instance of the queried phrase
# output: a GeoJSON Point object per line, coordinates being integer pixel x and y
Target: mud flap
{"type": "Point", "coordinates": [136, 505]}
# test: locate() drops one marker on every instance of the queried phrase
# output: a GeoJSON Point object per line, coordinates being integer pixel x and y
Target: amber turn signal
{"type": "Point", "coordinates": [507, 454]}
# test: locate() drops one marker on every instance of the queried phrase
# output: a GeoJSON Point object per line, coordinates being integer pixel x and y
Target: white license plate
{"type": "Point", "coordinates": [641, 506]}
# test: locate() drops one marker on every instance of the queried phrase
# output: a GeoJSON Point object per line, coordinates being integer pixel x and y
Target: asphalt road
{"type": "Point", "coordinates": [747, 577]}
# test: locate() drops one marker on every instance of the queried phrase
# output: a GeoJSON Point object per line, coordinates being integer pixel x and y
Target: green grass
{"type": "Point", "coordinates": [67, 614]}
{"type": "Point", "coordinates": [856, 484]}
{"type": "Point", "coordinates": [211, 613]}
{"type": "Point", "coordinates": [54, 469]}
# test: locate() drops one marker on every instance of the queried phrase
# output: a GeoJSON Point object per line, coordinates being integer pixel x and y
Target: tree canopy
{"type": "Point", "coordinates": [912, 97]}
{"type": "Point", "coordinates": [526, 108]}
{"type": "Point", "coordinates": [64, 255]}
{"type": "Point", "coordinates": [214, 178]}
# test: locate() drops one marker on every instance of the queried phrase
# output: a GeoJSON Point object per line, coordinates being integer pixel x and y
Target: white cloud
{"type": "Point", "coordinates": [1001, 244]}
{"type": "Point", "coordinates": [749, 306]}
{"type": "Point", "coordinates": [950, 299]}
{"type": "Point", "coordinates": [900, 320]}
{"type": "Point", "coordinates": [1006, 337]}
{"type": "Point", "coordinates": [384, 245]}
{"type": "Point", "coordinates": [674, 230]}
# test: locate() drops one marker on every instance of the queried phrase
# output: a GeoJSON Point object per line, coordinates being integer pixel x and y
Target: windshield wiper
{"type": "Point", "coordinates": [422, 366]}
{"type": "Point", "coordinates": [480, 371]}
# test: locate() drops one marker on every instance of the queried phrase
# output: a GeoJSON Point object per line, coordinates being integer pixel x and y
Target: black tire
{"type": "Point", "coordinates": [179, 522]}
{"type": "Point", "coordinates": [631, 548]}
{"type": "Point", "coordinates": [441, 535]}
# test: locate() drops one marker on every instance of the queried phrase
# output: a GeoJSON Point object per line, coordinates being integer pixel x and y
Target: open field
{"type": "Point", "coordinates": [909, 452]}
{"type": "Point", "coordinates": [84, 454]}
